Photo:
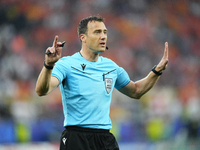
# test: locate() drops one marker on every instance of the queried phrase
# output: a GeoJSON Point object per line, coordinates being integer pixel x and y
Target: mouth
{"type": "Point", "coordinates": [103, 44]}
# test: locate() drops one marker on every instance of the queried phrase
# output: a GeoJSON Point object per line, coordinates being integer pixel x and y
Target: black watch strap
{"type": "Point", "coordinates": [156, 72]}
{"type": "Point", "coordinates": [48, 67]}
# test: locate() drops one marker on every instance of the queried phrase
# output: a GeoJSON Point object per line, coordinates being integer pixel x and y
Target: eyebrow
{"type": "Point", "coordinates": [101, 30]}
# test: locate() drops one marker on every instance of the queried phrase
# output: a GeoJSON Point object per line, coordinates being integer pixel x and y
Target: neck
{"type": "Point", "coordinates": [90, 56]}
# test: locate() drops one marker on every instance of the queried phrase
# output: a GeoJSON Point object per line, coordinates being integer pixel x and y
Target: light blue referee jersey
{"type": "Point", "coordinates": [86, 89]}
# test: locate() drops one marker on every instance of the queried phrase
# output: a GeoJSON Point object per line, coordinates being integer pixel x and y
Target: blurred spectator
{"type": "Point", "coordinates": [137, 31]}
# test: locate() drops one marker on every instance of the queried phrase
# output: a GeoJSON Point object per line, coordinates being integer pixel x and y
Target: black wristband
{"type": "Point", "coordinates": [156, 72]}
{"type": "Point", "coordinates": [48, 67]}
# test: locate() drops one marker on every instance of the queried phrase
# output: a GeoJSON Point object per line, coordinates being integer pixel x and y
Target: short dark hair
{"type": "Point", "coordinates": [82, 27]}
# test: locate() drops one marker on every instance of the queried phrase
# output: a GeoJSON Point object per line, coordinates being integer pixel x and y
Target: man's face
{"type": "Point", "coordinates": [96, 37]}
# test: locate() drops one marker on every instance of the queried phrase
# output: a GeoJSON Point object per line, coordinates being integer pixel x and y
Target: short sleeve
{"type": "Point", "coordinates": [61, 69]}
{"type": "Point", "coordinates": [122, 78]}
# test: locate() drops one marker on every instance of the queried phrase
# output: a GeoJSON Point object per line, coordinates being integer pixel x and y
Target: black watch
{"type": "Point", "coordinates": [156, 72]}
{"type": "Point", "coordinates": [48, 67]}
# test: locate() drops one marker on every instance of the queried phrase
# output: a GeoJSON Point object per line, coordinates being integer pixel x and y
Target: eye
{"type": "Point", "coordinates": [97, 31]}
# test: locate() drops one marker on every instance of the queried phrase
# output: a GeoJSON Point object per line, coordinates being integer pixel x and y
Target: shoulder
{"type": "Point", "coordinates": [108, 62]}
{"type": "Point", "coordinates": [111, 64]}
{"type": "Point", "coordinates": [68, 58]}
{"type": "Point", "coordinates": [65, 61]}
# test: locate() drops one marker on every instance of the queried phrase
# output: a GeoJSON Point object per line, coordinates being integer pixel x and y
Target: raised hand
{"type": "Point", "coordinates": [162, 65]}
{"type": "Point", "coordinates": [53, 54]}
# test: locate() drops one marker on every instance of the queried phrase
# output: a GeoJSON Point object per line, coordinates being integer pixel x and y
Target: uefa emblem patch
{"type": "Point", "coordinates": [108, 84]}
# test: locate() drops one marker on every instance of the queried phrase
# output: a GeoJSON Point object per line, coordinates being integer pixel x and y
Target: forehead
{"type": "Point", "coordinates": [96, 25]}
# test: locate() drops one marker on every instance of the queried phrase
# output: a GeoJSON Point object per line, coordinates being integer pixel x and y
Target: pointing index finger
{"type": "Point", "coordinates": [166, 50]}
{"type": "Point", "coordinates": [55, 41]}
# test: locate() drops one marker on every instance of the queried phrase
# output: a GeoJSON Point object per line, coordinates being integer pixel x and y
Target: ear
{"type": "Point", "coordinates": [83, 38]}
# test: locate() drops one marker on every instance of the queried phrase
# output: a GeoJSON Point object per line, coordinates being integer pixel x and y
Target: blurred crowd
{"type": "Point", "coordinates": [137, 31]}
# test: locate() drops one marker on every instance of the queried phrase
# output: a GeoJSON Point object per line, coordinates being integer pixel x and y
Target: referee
{"type": "Point", "coordinates": [86, 82]}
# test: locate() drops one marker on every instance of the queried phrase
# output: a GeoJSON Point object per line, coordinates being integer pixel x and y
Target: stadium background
{"type": "Point", "coordinates": [165, 118]}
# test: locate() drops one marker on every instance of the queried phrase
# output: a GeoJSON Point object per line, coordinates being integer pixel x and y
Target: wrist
{"type": "Point", "coordinates": [47, 66]}
{"type": "Point", "coordinates": [155, 71]}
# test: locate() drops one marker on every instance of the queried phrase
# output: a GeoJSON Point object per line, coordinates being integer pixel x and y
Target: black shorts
{"type": "Point", "coordinates": [78, 138]}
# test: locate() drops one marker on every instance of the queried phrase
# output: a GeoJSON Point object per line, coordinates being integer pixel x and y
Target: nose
{"type": "Point", "coordinates": [103, 36]}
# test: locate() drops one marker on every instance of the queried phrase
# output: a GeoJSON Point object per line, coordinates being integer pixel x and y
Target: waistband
{"type": "Point", "coordinates": [83, 129]}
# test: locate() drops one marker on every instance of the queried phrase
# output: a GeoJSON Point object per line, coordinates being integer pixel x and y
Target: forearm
{"type": "Point", "coordinates": [43, 82]}
{"type": "Point", "coordinates": [139, 88]}
{"type": "Point", "coordinates": [145, 84]}
{"type": "Point", "coordinates": [46, 83]}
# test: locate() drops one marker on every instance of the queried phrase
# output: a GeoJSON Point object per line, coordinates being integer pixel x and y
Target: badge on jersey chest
{"type": "Point", "coordinates": [108, 84]}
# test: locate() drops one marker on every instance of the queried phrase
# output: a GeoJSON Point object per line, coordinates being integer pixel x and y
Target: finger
{"type": "Point", "coordinates": [48, 50]}
{"type": "Point", "coordinates": [55, 41]}
{"type": "Point", "coordinates": [166, 51]}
